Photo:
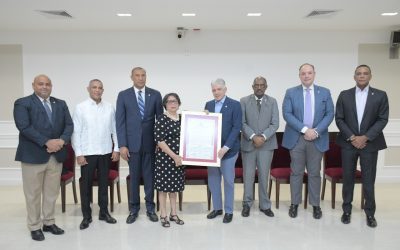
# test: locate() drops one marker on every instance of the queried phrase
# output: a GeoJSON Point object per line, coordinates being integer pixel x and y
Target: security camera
{"type": "Point", "coordinates": [180, 32]}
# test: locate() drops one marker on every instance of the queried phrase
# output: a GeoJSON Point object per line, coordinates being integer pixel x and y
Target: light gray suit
{"type": "Point", "coordinates": [254, 122]}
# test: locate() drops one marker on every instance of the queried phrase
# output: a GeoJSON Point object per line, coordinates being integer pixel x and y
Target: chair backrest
{"type": "Point", "coordinates": [69, 163]}
{"type": "Point", "coordinates": [114, 165]}
{"type": "Point", "coordinates": [281, 157]}
{"type": "Point", "coordinates": [333, 157]}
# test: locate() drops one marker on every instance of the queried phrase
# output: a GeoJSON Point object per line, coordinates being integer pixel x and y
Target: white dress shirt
{"type": "Point", "coordinates": [361, 100]}
{"type": "Point", "coordinates": [94, 126]}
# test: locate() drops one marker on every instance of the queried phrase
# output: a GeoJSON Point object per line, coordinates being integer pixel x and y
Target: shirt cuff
{"type": "Point", "coordinates": [251, 136]}
{"type": "Point", "coordinates": [265, 138]}
{"type": "Point", "coordinates": [304, 129]}
{"type": "Point", "coordinates": [226, 148]}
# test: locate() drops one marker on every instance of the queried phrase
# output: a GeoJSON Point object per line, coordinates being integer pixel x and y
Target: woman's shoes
{"type": "Point", "coordinates": [164, 221]}
{"type": "Point", "coordinates": [176, 219]}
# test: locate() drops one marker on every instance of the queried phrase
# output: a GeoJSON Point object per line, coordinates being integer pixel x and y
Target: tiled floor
{"type": "Point", "coordinates": [255, 232]}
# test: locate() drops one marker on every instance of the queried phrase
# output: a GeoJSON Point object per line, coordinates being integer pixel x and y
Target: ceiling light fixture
{"type": "Point", "coordinates": [389, 14]}
{"type": "Point", "coordinates": [124, 14]}
{"type": "Point", "coordinates": [254, 14]}
{"type": "Point", "coordinates": [188, 14]}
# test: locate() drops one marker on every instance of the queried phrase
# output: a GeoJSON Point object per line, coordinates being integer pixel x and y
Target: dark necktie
{"type": "Point", "coordinates": [259, 104]}
{"type": "Point", "coordinates": [141, 104]}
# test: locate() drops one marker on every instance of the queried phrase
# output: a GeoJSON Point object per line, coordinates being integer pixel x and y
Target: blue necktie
{"type": "Point", "coordinates": [141, 104]}
{"type": "Point", "coordinates": [46, 105]}
{"type": "Point", "coordinates": [308, 120]}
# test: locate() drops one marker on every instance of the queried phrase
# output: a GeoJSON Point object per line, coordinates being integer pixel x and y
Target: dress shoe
{"type": "Point", "coordinates": [37, 235]}
{"type": "Point", "coordinates": [131, 218]}
{"type": "Point", "coordinates": [152, 216]}
{"type": "Point", "coordinates": [107, 218]}
{"type": "Point", "coordinates": [85, 223]}
{"type": "Point", "coordinates": [53, 229]}
{"type": "Point", "coordinates": [268, 212]}
{"type": "Point", "coordinates": [293, 210]}
{"type": "Point", "coordinates": [227, 218]}
{"type": "Point", "coordinates": [317, 212]}
{"type": "Point", "coordinates": [346, 218]}
{"type": "Point", "coordinates": [371, 222]}
{"type": "Point", "coordinates": [246, 211]}
{"type": "Point", "coordinates": [214, 214]}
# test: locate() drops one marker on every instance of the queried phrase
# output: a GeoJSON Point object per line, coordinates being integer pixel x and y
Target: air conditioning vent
{"type": "Point", "coordinates": [55, 14]}
{"type": "Point", "coordinates": [322, 13]}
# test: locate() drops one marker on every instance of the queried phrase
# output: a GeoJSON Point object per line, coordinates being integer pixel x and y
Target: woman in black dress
{"type": "Point", "coordinates": [169, 175]}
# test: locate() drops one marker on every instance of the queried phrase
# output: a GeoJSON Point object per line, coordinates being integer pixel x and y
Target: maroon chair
{"type": "Point", "coordinates": [280, 171]}
{"type": "Point", "coordinates": [113, 178]}
{"type": "Point", "coordinates": [333, 171]}
{"type": "Point", "coordinates": [239, 169]}
{"type": "Point", "coordinates": [68, 176]}
{"type": "Point", "coordinates": [196, 175]}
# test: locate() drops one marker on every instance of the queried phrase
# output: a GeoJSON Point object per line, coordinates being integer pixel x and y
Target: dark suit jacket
{"type": "Point", "coordinates": [375, 118]}
{"type": "Point", "coordinates": [35, 128]}
{"type": "Point", "coordinates": [231, 124]}
{"type": "Point", "coordinates": [133, 132]}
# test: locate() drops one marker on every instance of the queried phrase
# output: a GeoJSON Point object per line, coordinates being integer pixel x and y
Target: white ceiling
{"type": "Point", "coordinates": [163, 15]}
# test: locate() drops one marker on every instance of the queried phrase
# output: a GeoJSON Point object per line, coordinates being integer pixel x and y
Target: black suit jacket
{"type": "Point", "coordinates": [35, 128]}
{"type": "Point", "coordinates": [375, 118]}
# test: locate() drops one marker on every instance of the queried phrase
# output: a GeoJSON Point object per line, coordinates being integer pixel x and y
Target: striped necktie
{"type": "Point", "coordinates": [46, 105]}
{"type": "Point", "coordinates": [141, 104]}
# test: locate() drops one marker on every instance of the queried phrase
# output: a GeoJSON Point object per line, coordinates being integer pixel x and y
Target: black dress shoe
{"type": "Point", "coordinates": [317, 212]}
{"type": "Point", "coordinates": [268, 212]}
{"type": "Point", "coordinates": [227, 218]}
{"type": "Point", "coordinates": [293, 210]}
{"type": "Point", "coordinates": [53, 229]}
{"type": "Point", "coordinates": [346, 218]}
{"type": "Point", "coordinates": [37, 235]}
{"type": "Point", "coordinates": [371, 222]}
{"type": "Point", "coordinates": [214, 214]}
{"type": "Point", "coordinates": [152, 216]}
{"type": "Point", "coordinates": [131, 218]}
{"type": "Point", "coordinates": [107, 218]}
{"type": "Point", "coordinates": [246, 211]}
{"type": "Point", "coordinates": [85, 223]}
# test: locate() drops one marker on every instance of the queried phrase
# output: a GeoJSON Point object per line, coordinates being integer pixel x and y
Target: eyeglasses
{"type": "Point", "coordinates": [172, 102]}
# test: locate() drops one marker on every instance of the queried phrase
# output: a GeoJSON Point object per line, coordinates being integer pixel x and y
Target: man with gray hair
{"type": "Point", "coordinates": [260, 121]}
{"type": "Point", "coordinates": [231, 125]}
{"type": "Point", "coordinates": [93, 140]}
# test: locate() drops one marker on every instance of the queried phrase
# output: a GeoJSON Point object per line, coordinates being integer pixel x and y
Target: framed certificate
{"type": "Point", "coordinates": [200, 138]}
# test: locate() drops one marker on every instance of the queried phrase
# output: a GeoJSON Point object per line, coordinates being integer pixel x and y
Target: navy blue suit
{"type": "Point", "coordinates": [137, 135]}
{"type": "Point", "coordinates": [231, 124]}
{"type": "Point", "coordinates": [35, 129]}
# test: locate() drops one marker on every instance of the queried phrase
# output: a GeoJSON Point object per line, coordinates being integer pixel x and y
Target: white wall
{"type": "Point", "coordinates": [185, 66]}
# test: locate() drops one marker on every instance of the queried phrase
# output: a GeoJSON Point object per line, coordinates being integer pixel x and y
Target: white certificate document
{"type": "Point", "coordinates": [200, 138]}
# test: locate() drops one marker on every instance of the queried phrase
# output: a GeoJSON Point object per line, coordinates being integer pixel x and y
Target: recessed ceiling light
{"type": "Point", "coordinates": [188, 14]}
{"type": "Point", "coordinates": [124, 14]}
{"type": "Point", "coordinates": [389, 14]}
{"type": "Point", "coordinates": [254, 14]}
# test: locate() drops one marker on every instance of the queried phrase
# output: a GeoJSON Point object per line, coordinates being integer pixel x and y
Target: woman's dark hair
{"type": "Point", "coordinates": [165, 99]}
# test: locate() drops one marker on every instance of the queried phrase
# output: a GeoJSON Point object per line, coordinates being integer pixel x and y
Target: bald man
{"type": "Point", "coordinates": [45, 126]}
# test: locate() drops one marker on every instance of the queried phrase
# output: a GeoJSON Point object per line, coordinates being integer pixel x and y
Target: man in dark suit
{"type": "Point", "coordinates": [362, 113]}
{"type": "Point", "coordinates": [231, 125]}
{"type": "Point", "coordinates": [137, 109]}
{"type": "Point", "coordinates": [308, 110]}
{"type": "Point", "coordinates": [45, 126]}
